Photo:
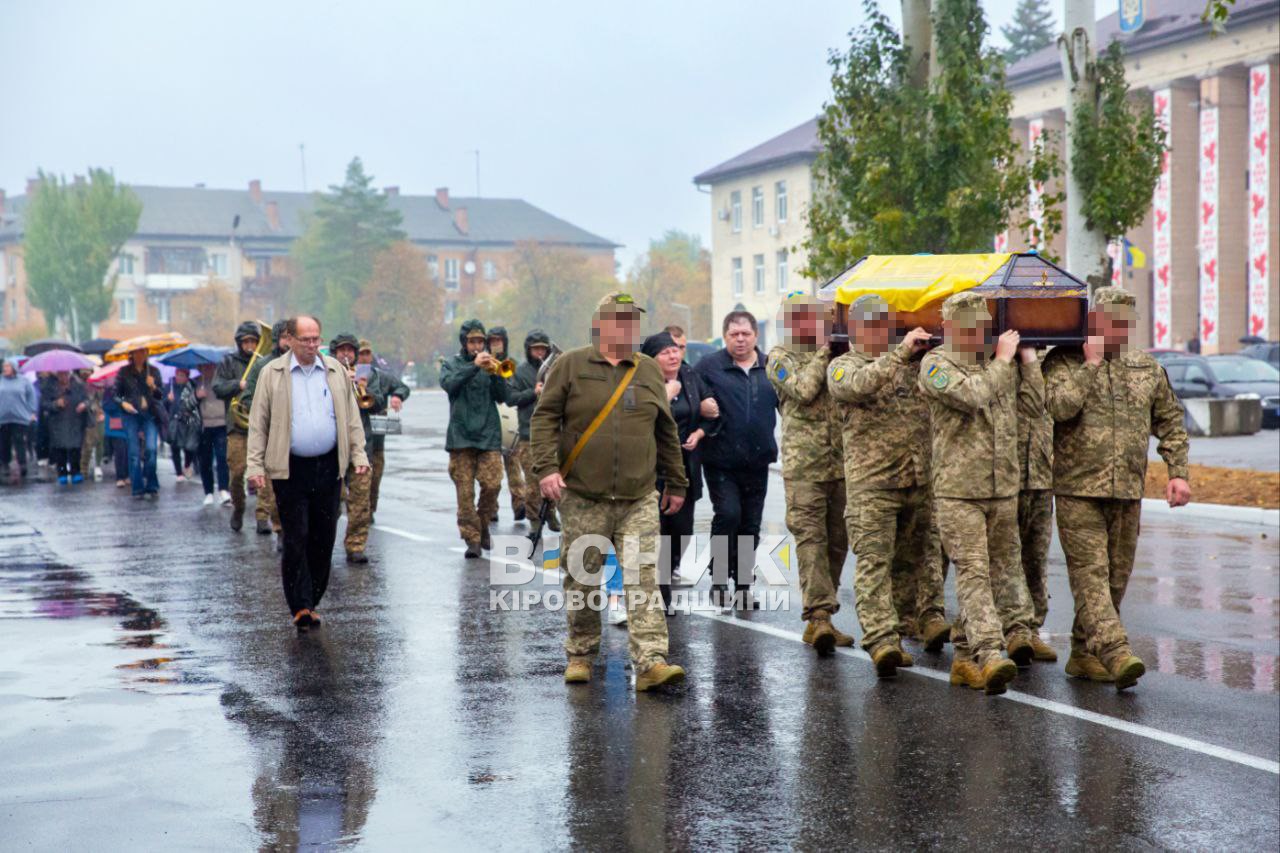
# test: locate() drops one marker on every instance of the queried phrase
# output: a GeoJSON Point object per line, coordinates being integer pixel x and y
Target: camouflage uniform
{"type": "Point", "coordinates": [812, 472]}
{"type": "Point", "coordinates": [611, 489]}
{"type": "Point", "coordinates": [886, 464]}
{"type": "Point", "coordinates": [93, 431]}
{"type": "Point", "coordinates": [1035, 500]}
{"type": "Point", "coordinates": [532, 489]}
{"type": "Point", "coordinates": [515, 480]}
{"type": "Point", "coordinates": [359, 510]}
{"type": "Point", "coordinates": [467, 466]}
{"type": "Point", "coordinates": [976, 478]}
{"type": "Point", "coordinates": [1103, 417]}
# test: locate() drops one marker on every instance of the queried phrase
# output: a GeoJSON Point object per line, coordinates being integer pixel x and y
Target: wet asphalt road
{"type": "Point", "coordinates": [153, 695]}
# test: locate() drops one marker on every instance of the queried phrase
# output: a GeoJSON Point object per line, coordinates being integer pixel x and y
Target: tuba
{"type": "Point", "coordinates": [239, 414]}
{"type": "Point", "coordinates": [553, 353]}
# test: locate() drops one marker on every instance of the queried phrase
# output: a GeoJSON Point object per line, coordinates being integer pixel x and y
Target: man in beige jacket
{"type": "Point", "coordinates": [304, 429]}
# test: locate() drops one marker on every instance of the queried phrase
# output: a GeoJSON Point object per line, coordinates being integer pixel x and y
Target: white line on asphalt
{"type": "Point", "coordinates": [1148, 732]}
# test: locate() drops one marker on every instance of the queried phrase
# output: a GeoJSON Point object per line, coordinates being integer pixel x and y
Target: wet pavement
{"type": "Point", "coordinates": [153, 695]}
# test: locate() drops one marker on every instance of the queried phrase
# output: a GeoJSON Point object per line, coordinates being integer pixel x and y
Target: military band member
{"type": "Point", "coordinates": [229, 382]}
{"type": "Point", "coordinates": [812, 464]}
{"type": "Point", "coordinates": [524, 396]}
{"type": "Point", "coordinates": [886, 465]}
{"type": "Point", "coordinates": [973, 406]}
{"type": "Point", "coordinates": [610, 489]}
{"type": "Point", "coordinates": [1106, 399]}
{"type": "Point", "coordinates": [392, 390]}
{"type": "Point", "coordinates": [369, 397]}
{"type": "Point", "coordinates": [498, 345]}
{"type": "Point", "coordinates": [266, 495]}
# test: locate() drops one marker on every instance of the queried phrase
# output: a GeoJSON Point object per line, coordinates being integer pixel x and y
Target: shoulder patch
{"type": "Point", "coordinates": [837, 373]}
{"type": "Point", "coordinates": [781, 372]}
{"type": "Point", "coordinates": [938, 378]}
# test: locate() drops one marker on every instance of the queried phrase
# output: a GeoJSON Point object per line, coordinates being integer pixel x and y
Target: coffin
{"type": "Point", "coordinates": [1046, 304]}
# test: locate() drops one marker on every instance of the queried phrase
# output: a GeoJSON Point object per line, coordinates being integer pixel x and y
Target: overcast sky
{"type": "Point", "coordinates": [599, 112]}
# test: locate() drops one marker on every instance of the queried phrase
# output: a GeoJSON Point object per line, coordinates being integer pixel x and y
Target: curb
{"type": "Point", "coordinates": [1214, 512]}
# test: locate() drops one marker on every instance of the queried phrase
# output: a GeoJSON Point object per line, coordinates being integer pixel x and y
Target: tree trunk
{"type": "Point", "coordinates": [917, 34]}
{"type": "Point", "coordinates": [1086, 247]}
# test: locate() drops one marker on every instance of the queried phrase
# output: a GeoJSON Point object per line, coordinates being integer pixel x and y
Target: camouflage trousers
{"type": "Point", "coordinates": [267, 505]}
{"type": "Point", "coordinates": [1035, 530]}
{"type": "Point", "coordinates": [981, 536]}
{"type": "Point", "coordinates": [237, 459]}
{"type": "Point", "coordinates": [377, 461]}
{"type": "Point", "coordinates": [92, 441]}
{"type": "Point", "coordinates": [890, 531]}
{"type": "Point", "coordinates": [632, 528]}
{"type": "Point", "coordinates": [1099, 537]}
{"type": "Point", "coordinates": [358, 488]}
{"type": "Point", "coordinates": [815, 518]}
{"type": "Point", "coordinates": [515, 479]}
{"type": "Point", "coordinates": [466, 467]}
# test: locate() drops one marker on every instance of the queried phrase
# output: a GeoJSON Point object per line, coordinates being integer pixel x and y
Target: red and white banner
{"type": "Point", "coordinates": [1209, 229]}
{"type": "Point", "coordinates": [1162, 244]}
{"type": "Point", "coordinates": [1115, 251]}
{"type": "Point", "coordinates": [1001, 242]}
{"type": "Point", "coordinates": [1259, 212]}
{"type": "Point", "coordinates": [1035, 197]}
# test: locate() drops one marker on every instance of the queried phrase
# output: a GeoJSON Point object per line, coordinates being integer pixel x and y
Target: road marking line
{"type": "Point", "coordinates": [1050, 705]}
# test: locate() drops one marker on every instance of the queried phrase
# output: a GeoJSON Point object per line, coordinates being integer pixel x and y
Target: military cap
{"type": "Point", "coordinates": [365, 345]}
{"type": "Point", "coordinates": [867, 307]}
{"type": "Point", "coordinates": [966, 307]}
{"type": "Point", "coordinates": [1112, 295]}
{"type": "Point", "coordinates": [617, 297]}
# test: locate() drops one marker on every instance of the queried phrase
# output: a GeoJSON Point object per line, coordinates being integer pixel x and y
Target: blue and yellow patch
{"type": "Point", "coordinates": [781, 372]}
{"type": "Point", "coordinates": [837, 374]}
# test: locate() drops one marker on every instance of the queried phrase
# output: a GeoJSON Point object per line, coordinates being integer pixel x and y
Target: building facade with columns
{"type": "Point", "coordinates": [240, 239]}
{"type": "Point", "coordinates": [1213, 230]}
{"type": "Point", "coordinates": [758, 204]}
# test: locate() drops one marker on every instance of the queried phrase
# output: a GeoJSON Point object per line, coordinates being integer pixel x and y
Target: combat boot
{"type": "Point", "coordinates": [935, 634]}
{"type": "Point", "coordinates": [1043, 651]}
{"type": "Point", "coordinates": [1126, 670]}
{"type": "Point", "coordinates": [997, 673]}
{"type": "Point", "coordinates": [886, 657]}
{"type": "Point", "coordinates": [1085, 665]}
{"type": "Point", "coordinates": [485, 541]}
{"type": "Point", "coordinates": [1020, 650]}
{"type": "Point", "coordinates": [842, 639]}
{"type": "Point", "coordinates": [820, 633]}
{"type": "Point", "coordinates": [965, 673]}
{"type": "Point", "coordinates": [578, 671]}
{"type": "Point", "coordinates": [658, 675]}
{"type": "Point", "coordinates": [473, 550]}
{"type": "Point", "coordinates": [907, 659]}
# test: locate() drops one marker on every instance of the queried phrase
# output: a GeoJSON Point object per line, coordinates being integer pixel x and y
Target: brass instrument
{"type": "Point", "coordinates": [239, 415]}
{"type": "Point", "coordinates": [363, 398]}
{"type": "Point", "coordinates": [552, 354]}
{"type": "Point", "coordinates": [505, 368]}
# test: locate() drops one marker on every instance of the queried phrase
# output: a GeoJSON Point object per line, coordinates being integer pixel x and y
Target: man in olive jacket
{"type": "Point", "coordinates": [474, 439]}
{"type": "Point", "coordinates": [609, 492]}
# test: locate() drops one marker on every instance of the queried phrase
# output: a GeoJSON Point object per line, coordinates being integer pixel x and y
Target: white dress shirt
{"type": "Point", "coordinates": [314, 428]}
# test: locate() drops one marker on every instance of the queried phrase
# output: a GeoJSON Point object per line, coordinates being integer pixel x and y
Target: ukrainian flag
{"type": "Point", "coordinates": [1133, 256]}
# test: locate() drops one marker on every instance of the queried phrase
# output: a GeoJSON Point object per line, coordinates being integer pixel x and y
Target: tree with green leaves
{"type": "Point", "coordinates": [334, 258]}
{"type": "Point", "coordinates": [553, 288]}
{"type": "Point", "coordinates": [918, 161]}
{"type": "Point", "coordinates": [672, 282]}
{"type": "Point", "coordinates": [71, 234]}
{"type": "Point", "coordinates": [1032, 29]}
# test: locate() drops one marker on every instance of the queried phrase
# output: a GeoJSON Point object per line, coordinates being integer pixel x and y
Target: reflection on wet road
{"type": "Point", "coordinates": [152, 694]}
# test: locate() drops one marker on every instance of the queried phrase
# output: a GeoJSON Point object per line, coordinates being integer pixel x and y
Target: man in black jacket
{"type": "Point", "coordinates": [524, 396]}
{"type": "Point", "coordinates": [736, 459]}
{"type": "Point", "coordinates": [138, 390]}
{"type": "Point", "coordinates": [229, 382]}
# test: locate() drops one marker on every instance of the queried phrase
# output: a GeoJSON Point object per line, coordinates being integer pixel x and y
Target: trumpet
{"type": "Point", "coordinates": [505, 368]}
{"type": "Point", "coordinates": [363, 398]}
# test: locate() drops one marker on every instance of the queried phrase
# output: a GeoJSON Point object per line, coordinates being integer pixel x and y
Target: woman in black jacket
{"type": "Point", "coordinates": [685, 393]}
{"type": "Point", "coordinates": [66, 410]}
{"type": "Point", "coordinates": [138, 390]}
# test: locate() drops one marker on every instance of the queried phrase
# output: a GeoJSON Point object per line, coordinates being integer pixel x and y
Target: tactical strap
{"type": "Point", "coordinates": [599, 419]}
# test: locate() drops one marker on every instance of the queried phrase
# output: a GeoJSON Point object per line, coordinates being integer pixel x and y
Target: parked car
{"type": "Point", "coordinates": [1163, 355]}
{"type": "Point", "coordinates": [1268, 352]}
{"type": "Point", "coordinates": [1227, 377]}
{"type": "Point", "coordinates": [695, 351]}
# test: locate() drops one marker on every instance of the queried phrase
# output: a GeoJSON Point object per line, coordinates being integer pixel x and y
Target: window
{"type": "Point", "coordinates": [450, 311]}
{"type": "Point", "coordinates": [735, 211]}
{"type": "Point", "coordinates": [490, 271]}
{"type": "Point", "coordinates": [125, 266]}
{"type": "Point", "coordinates": [176, 260]}
{"type": "Point", "coordinates": [780, 200]}
{"type": "Point", "coordinates": [759, 273]}
{"type": "Point", "coordinates": [128, 309]}
{"type": "Point", "coordinates": [433, 266]}
{"type": "Point", "coordinates": [162, 310]}
{"type": "Point", "coordinates": [737, 276]}
{"type": "Point", "coordinates": [757, 207]}
{"type": "Point", "coordinates": [782, 270]}
{"type": "Point", "coordinates": [451, 273]}
{"type": "Point", "coordinates": [218, 263]}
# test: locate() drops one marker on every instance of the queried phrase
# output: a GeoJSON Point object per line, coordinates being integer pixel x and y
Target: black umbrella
{"type": "Point", "coordinates": [46, 344]}
{"type": "Point", "coordinates": [97, 346]}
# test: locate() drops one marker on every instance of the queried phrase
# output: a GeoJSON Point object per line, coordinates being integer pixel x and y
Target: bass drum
{"type": "Point", "coordinates": [510, 427]}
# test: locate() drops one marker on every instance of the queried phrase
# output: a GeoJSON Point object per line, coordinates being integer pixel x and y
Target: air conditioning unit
{"type": "Point", "coordinates": [722, 215]}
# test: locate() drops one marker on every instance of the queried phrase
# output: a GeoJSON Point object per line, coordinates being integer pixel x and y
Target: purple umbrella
{"type": "Point", "coordinates": [56, 361]}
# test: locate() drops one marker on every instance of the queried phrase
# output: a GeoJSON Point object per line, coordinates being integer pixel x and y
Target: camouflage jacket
{"type": "Point", "coordinates": [1035, 437]}
{"type": "Point", "coordinates": [885, 419]}
{"type": "Point", "coordinates": [811, 440]}
{"type": "Point", "coordinates": [1103, 417]}
{"type": "Point", "coordinates": [975, 410]}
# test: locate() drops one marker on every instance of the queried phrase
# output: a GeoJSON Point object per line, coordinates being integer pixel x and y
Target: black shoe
{"type": "Point", "coordinates": [237, 519]}
{"type": "Point", "coordinates": [486, 542]}
{"type": "Point", "coordinates": [743, 600]}
{"type": "Point", "coordinates": [357, 557]}
{"type": "Point", "coordinates": [519, 514]}
{"type": "Point", "coordinates": [264, 527]}
{"type": "Point", "coordinates": [473, 550]}
{"type": "Point", "coordinates": [553, 522]}
{"type": "Point", "coordinates": [279, 545]}
{"type": "Point", "coordinates": [718, 596]}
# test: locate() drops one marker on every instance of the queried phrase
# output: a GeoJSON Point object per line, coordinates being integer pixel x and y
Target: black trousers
{"type": "Point", "coordinates": [308, 504]}
{"type": "Point", "coordinates": [737, 502]}
{"type": "Point", "coordinates": [13, 445]}
{"type": "Point", "coordinates": [66, 460]}
{"type": "Point", "coordinates": [675, 530]}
